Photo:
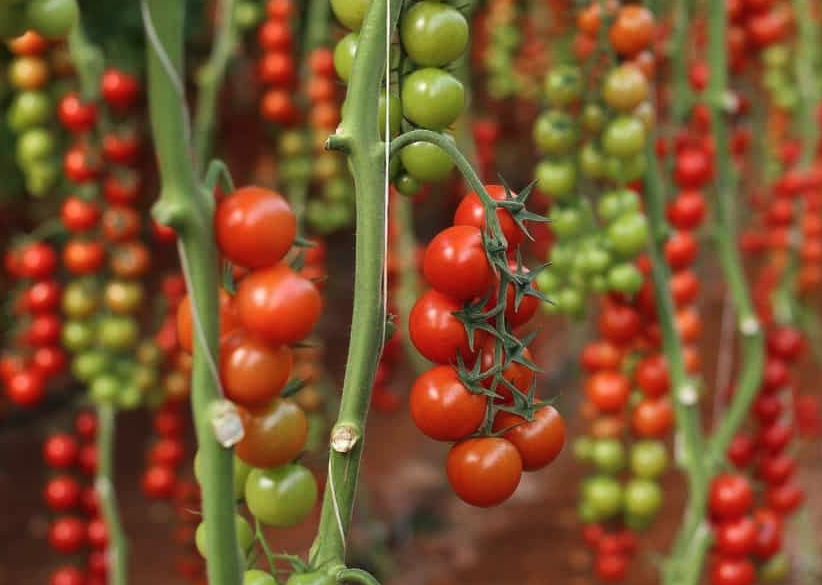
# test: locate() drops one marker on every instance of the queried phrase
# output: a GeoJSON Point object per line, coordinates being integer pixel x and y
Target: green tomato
{"type": "Point", "coordinates": [89, 365]}
{"type": "Point", "coordinates": [130, 397]}
{"type": "Point", "coordinates": [628, 234]}
{"type": "Point", "coordinates": [599, 284]}
{"type": "Point", "coordinates": [407, 185]}
{"type": "Point", "coordinates": [432, 98]}
{"type": "Point", "coordinates": [570, 301]}
{"type": "Point", "coordinates": [257, 577]}
{"type": "Point", "coordinates": [776, 569]}
{"type": "Point", "coordinates": [594, 260]}
{"type": "Point", "coordinates": [30, 109]}
{"type": "Point", "coordinates": [77, 335]}
{"type": "Point", "coordinates": [104, 389]}
{"type": "Point", "coordinates": [12, 19]}
{"type": "Point", "coordinates": [556, 177]}
{"type": "Point", "coordinates": [562, 256]}
{"type": "Point", "coordinates": [631, 168]}
{"type": "Point", "coordinates": [344, 54]}
{"type": "Point", "coordinates": [394, 115]}
{"type": "Point", "coordinates": [563, 85]}
{"type": "Point", "coordinates": [593, 118]}
{"type": "Point", "coordinates": [649, 459]}
{"type": "Point", "coordinates": [547, 281]}
{"type": "Point", "coordinates": [583, 449]}
{"type": "Point", "coordinates": [293, 143]}
{"type": "Point", "coordinates": [555, 132]}
{"type": "Point", "coordinates": [245, 536]}
{"type": "Point", "coordinates": [34, 145]}
{"type": "Point", "coordinates": [144, 377]}
{"type": "Point", "coordinates": [586, 512]}
{"type": "Point", "coordinates": [566, 222]}
{"type": "Point", "coordinates": [337, 189]}
{"type": "Point", "coordinates": [52, 18]}
{"type": "Point", "coordinates": [350, 13]}
{"type": "Point", "coordinates": [643, 497]}
{"type": "Point", "coordinates": [624, 137]}
{"type": "Point", "coordinates": [617, 202]}
{"type": "Point", "coordinates": [247, 14]}
{"type": "Point", "coordinates": [296, 169]}
{"type": "Point", "coordinates": [786, 98]}
{"type": "Point", "coordinates": [281, 497]}
{"type": "Point", "coordinates": [625, 278]}
{"type": "Point", "coordinates": [123, 297]}
{"type": "Point", "coordinates": [42, 176]}
{"type": "Point", "coordinates": [118, 333]}
{"type": "Point", "coordinates": [776, 56]}
{"type": "Point", "coordinates": [608, 455]}
{"type": "Point", "coordinates": [425, 162]}
{"type": "Point", "coordinates": [79, 299]}
{"type": "Point", "coordinates": [604, 494]}
{"type": "Point", "coordinates": [591, 161]}
{"type": "Point", "coordinates": [433, 34]}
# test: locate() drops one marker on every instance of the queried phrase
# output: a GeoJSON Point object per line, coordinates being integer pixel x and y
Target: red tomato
{"type": "Point", "coordinates": [692, 169]}
{"type": "Point", "coordinates": [769, 534]}
{"type": "Point", "coordinates": [471, 212]}
{"type": "Point", "coordinates": [687, 210]}
{"type": "Point", "coordinates": [280, 9]}
{"type": "Point", "coordinates": [167, 452]}
{"type": "Point", "coordinates": [79, 215]}
{"type": "Point", "coordinates": [278, 106]}
{"type": "Point", "coordinates": [652, 375]}
{"type": "Point", "coordinates": [742, 450]}
{"type": "Point", "coordinates": [600, 355]}
{"type": "Point", "coordinates": [455, 263]}
{"type": "Point", "coordinates": [619, 323]}
{"type": "Point", "coordinates": [119, 89]}
{"type": "Point", "coordinates": [159, 482]}
{"type": "Point", "coordinates": [681, 250]}
{"type": "Point", "coordinates": [83, 257]}
{"type": "Point", "coordinates": [80, 165]}
{"type": "Point", "coordinates": [38, 260]}
{"type": "Point", "coordinates": [253, 373]}
{"type": "Point", "coordinates": [60, 451]}
{"type": "Point", "coordinates": [786, 498]}
{"type": "Point", "coordinates": [121, 148]}
{"type": "Point", "coordinates": [26, 388]}
{"type": "Point", "coordinates": [274, 435]}
{"type": "Point", "coordinates": [76, 115]}
{"type": "Point", "coordinates": [684, 287]}
{"type": "Point", "coordinates": [775, 437]}
{"type": "Point", "coordinates": [67, 576]}
{"type": "Point", "coordinates": [730, 496]}
{"type": "Point", "coordinates": [96, 533]}
{"type": "Point", "coordinates": [321, 62]}
{"type": "Point", "coordinates": [538, 441]}
{"type": "Point", "coordinates": [44, 330]}
{"type": "Point", "coordinates": [122, 188]}
{"type": "Point", "coordinates": [29, 44]}
{"type": "Point", "coordinates": [612, 568]}
{"type": "Point", "coordinates": [67, 534]}
{"type": "Point", "coordinates": [185, 324]}
{"type": "Point", "coordinates": [120, 223]}
{"type": "Point", "coordinates": [518, 375]}
{"type": "Point", "coordinates": [43, 296]}
{"type": "Point", "coordinates": [443, 408]}
{"type": "Point", "coordinates": [274, 35]}
{"type": "Point", "coordinates": [653, 417]}
{"type": "Point", "coordinates": [732, 571]}
{"type": "Point", "coordinates": [736, 538]}
{"type": "Point", "coordinates": [278, 305]}
{"type": "Point", "coordinates": [484, 471]}
{"type": "Point", "coordinates": [62, 493]}
{"type": "Point", "coordinates": [608, 390]}
{"type": "Point", "coordinates": [776, 469]}
{"type": "Point", "coordinates": [85, 424]}
{"type": "Point", "coordinates": [767, 408]}
{"type": "Point", "coordinates": [632, 31]}
{"type": "Point", "coordinates": [437, 334]}
{"type": "Point", "coordinates": [528, 304]}
{"type": "Point", "coordinates": [277, 68]}
{"type": "Point", "coordinates": [785, 342]}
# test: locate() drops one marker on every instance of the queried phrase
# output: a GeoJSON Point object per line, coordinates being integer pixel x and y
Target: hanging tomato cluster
{"type": "Point", "coordinates": [277, 67]}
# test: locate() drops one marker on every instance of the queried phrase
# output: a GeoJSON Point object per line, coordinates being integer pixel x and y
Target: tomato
{"type": "Point", "coordinates": [67, 534]}
{"type": "Point", "coordinates": [443, 408]}
{"type": "Point", "coordinates": [681, 250]}
{"type": "Point", "coordinates": [129, 259]}
{"type": "Point", "coordinates": [169, 452]}
{"type": "Point", "coordinates": [785, 342]}
{"type": "Point", "coordinates": [122, 147]}
{"type": "Point", "coordinates": [628, 234]}
{"type": "Point", "coordinates": [692, 168]}
{"type": "Point", "coordinates": [123, 188]}
{"type": "Point", "coordinates": [119, 89]}
{"type": "Point", "coordinates": [471, 212]}
{"type": "Point", "coordinates": [556, 177]}
{"type": "Point", "coordinates": [26, 388]}
{"type": "Point", "coordinates": [253, 373]}
{"type": "Point", "coordinates": [44, 330]}
{"type": "Point", "coordinates": [652, 417]}
{"type": "Point", "coordinates": [742, 450]}
{"type": "Point", "coordinates": [254, 227]}
{"type": "Point", "coordinates": [770, 27]}
{"type": "Point", "coordinates": [120, 223]}
{"type": "Point", "coordinates": [123, 297]}
{"type": "Point", "coordinates": [185, 325]}
{"type": "Point", "coordinates": [60, 451]}
{"type": "Point", "coordinates": [159, 482]}
{"type": "Point", "coordinates": [736, 538]}
{"type": "Point", "coordinates": [280, 9]}
{"type": "Point", "coordinates": [625, 87]}
{"type": "Point", "coordinates": [632, 30]}
{"type": "Point", "coordinates": [37, 260]}
{"type": "Point", "coordinates": [62, 493]}
{"type": "Point", "coordinates": [611, 568]}
{"type": "Point", "coordinates": [97, 534]}
{"type": "Point", "coordinates": [52, 18]}
{"type": "Point", "coordinates": [274, 435]}
{"type": "Point", "coordinates": [777, 469]}
{"type": "Point", "coordinates": [350, 13]}
{"type": "Point", "coordinates": [652, 376]}
{"type": "Point", "coordinates": [439, 335]}
{"type": "Point", "coordinates": [35, 145]}
{"type": "Point", "coordinates": [432, 98]}
{"type": "Point", "coordinates": [648, 459]}
{"type": "Point", "coordinates": [80, 165]}
{"type": "Point", "coordinates": [117, 333]}
{"type": "Point", "coordinates": [257, 577]}
{"type": "Point", "coordinates": [29, 43]}
{"type": "Point", "coordinates": [344, 54]}
{"type": "Point", "coordinates": [555, 132]}
{"type": "Point", "coordinates": [642, 497]}
{"type": "Point", "coordinates": [43, 296]}
{"type": "Point", "coordinates": [67, 576]}
{"type": "Point", "coordinates": [685, 287]}
{"type": "Point", "coordinates": [786, 498]}
{"type": "Point", "coordinates": [281, 497]}
{"type": "Point", "coordinates": [775, 437]}
{"type": "Point", "coordinates": [603, 494]}
{"type": "Point", "coordinates": [608, 390]}
{"type": "Point", "coordinates": [608, 455]}
{"type": "Point", "coordinates": [538, 441]}
{"type": "Point", "coordinates": [518, 375]}
{"type": "Point", "coordinates": [77, 116]}
{"type": "Point", "coordinates": [433, 34]}
{"type": "Point", "coordinates": [767, 408]}
{"type": "Point", "coordinates": [79, 215]}
{"type": "Point", "coordinates": [619, 323]}
{"type": "Point", "coordinates": [49, 361]}
{"type": "Point", "coordinates": [456, 265]}
{"type": "Point", "coordinates": [732, 571]}
{"type": "Point", "coordinates": [730, 496]}
{"type": "Point", "coordinates": [28, 73]}
{"type": "Point", "coordinates": [426, 162]}
{"type": "Point", "coordinates": [274, 35]}
{"type": "Point", "coordinates": [624, 137]}
{"type": "Point", "coordinates": [563, 85]}
{"type": "Point", "coordinates": [277, 68]}
{"type": "Point", "coordinates": [278, 305]}
{"type": "Point", "coordinates": [29, 110]}
{"type": "Point", "coordinates": [243, 531]}
{"type": "Point", "coordinates": [484, 471]}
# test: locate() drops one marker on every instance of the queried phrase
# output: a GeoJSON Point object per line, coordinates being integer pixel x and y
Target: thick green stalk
{"type": "Point", "coordinates": [104, 486]}
{"type": "Point", "coordinates": [358, 136]}
{"type": "Point", "coordinates": [188, 208]}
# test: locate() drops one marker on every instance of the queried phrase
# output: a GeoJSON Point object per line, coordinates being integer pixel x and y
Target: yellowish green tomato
{"type": "Point", "coordinates": [608, 455]}
{"type": "Point", "coordinates": [344, 54]}
{"type": "Point", "coordinates": [625, 278]}
{"type": "Point", "coordinates": [117, 333]}
{"type": "Point", "coordinates": [104, 389]}
{"type": "Point", "coordinates": [557, 177]}
{"type": "Point", "coordinates": [624, 137]}
{"type": "Point", "coordinates": [604, 495]}
{"type": "Point", "coordinates": [555, 132]}
{"type": "Point", "coordinates": [350, 13]}
{"type": "Point", "coordinates": [245, 535]}
{"type": "Point", "coordinates": [432, 98]}
{"type": "Point", "coordinates": [394, 114]}
{"type": "Point", "coordinates": [628, 234]}
{"type": "Point", "coordinates": [424, 161]}
{"type": "Point", "coordinates": [283, 496]}
{"type": "Point", "coordinates": [649, 459]}
{"type": "Point", "coordinates": [625, 87]}
{"type": "Point", "coordinates": [433, 34]}
{"type": "Point", "coordinates": [89, 364]}
{"type": "Point", "coordinates": [53, 19]}
{"type": "Point", "coordinates": [563, 85]}
{"type": "Point", "coordinates": [643, 497]}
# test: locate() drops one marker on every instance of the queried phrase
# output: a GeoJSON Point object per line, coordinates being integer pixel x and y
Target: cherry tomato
{"type": "Point", "coordinates": [538, 441]}
{"type": "Point", "coordinates": [274, 435]}
{"type": "Point", "coordinates": [62, 493]}
{"type": "Point", "coordinates": [619, 323]}
{"type": "Point", "coordinates": [652, 376]}
{"type": "Point", "coordinates": [736, 538]}
{"type": "Point", "coordinates": [600, 355]}
{"type": "Point", "coordinates": [76, 115]}
{"type": "Point", "coordinates": [159, 482]}
{"type": "Point", "coordinates": [185, 324]}
{"type": "Point", "coordinates": [67, 534]}
{"type": "Point", "coordinates": [632, 30]}
{"type": "Point", "coordinates": [653, 417]}
{"type": "Point", "coordinates": [730, 496]}
{"type": "Point", "coordinates": [681, 250]}
{"type": "Point", "coordinates": [732, 571]}
{"type": "Point", "coordinates": [432, 98]}
{"type": "Point", "coordinates": [119, 89]}
{"type": "Point", "coordinates": [120, 223]}
{"type": "Point", "coordinates": [274, 35]}
{"type": "Point", "coordinates": [60, 451]}
{"type": "Point", "coordinates": [253, 373]}
{"type": "Point", "coordinates": [625, 87]}
{"type": "Point", "coordinates": [281, 497]}
{"type": "Point", "coordinates": [433, 34]}
{"type": "Point", "coordinates": [611, 568]}
{"type": "Point", "coordinates": [443, 408]}
{"type": "Point", "coordinates": [437, 334]}
{"type": "Point", "coordinates": [455, 263]}
{"type": "Point", "coordinates": [472, 212]}
{"type": "Point", "coordinates": [67, 576]}
{"type": "Point", "coordinates": [484, 471]}
{"type": "Point", "coordinates": [608, 390]}
{"type": "Point", "coordinates": [79, 215]}
{"type": "Point", "coordinates": [26, 388]}
{"type": "Point", "coordinates": [83, 256]}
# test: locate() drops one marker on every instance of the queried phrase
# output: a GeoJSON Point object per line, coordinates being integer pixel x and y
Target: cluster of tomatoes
{"type": "Point", "coordinates": [53, 19]}
{"type": "Point", "coordinates": [754, 25]}
{"type": "Point", "coordinates": [481, 393]}
{"type": "Point", "coordinates": [78, 528]}
{"type": "Point", "coordinates": [277, 68]}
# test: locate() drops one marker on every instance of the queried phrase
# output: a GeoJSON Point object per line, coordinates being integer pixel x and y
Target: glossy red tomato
{"type": "Point", "coordinates": [122, 188]}
{"type": "Point", "coordinates": [79, 215]}
{"type": "Point", "coordinates": [44, 329]}
{"type": "Point", "coordinates": [769, 534]}
{"type": "Point", "coordinates": [67, 534]}
{"type": "Point", "coordinates": [785, 342]}
{"type": "Point", "coordinates": [254, 227]}
{"type": "Point", "coordinates": [652, 375]}
{"type": "Point", "coordinates": [611, 568]}
{"type": "Point", "coordinates": [159, 482]}
{"type": "Point", "coordinates": [785, 498]}
{"type": "Point", "coordinates": [60, 451]}
{"type": "Point", "coordinates": [684, 287]}
{"type": "Point", "coordinates": [652, 418]}
{"type": "Point", "coordinates": [516, 316]}
{"type": "Point", "coordinates": [608, 390]}
{"type": "Point", "coordinates": [122, 147]}
{"type": "Point", "coordinates": [278, 106]}
{"type": "Point", "coordinates": [67, 576]}
{"type": "Point", "coordinates": [692, 169]}
{"type": "Point", "coordinates": [77, 116]}
{"type": "Point", "coordinates": [632, 30]}
{"type": "Point", "coordinates": [742, 450]}
{"type": "Point", "coordinates": [730, 496]}
{"type": "Point", "coordinates": [26, 388]}
{"type": "Point", "coordinates": [277, 68]}
{"type": "Point", "coordinates": [274, 435]}
{"type": "Point", "coordinates": [455, 263]}
{"type": "Point", "coordinates": [85, 425]}
{"type": "Point", "coordinates": [619, 323]}
{"type": "Point", "coordinates": [38, 260]}
{"type": "Point", "coordinates": [167, 452]}
{"type": "Point", "coordinates": [777, 469]}
{"type": "Point", "coordinates": [732, 571]}
{"type": "Point", "coordinates": [49, 361]}
{"type": "Point", "coordinates": [80, 165]}
{"type": "Point", "coordinates": [119, 89]}
{"type": "Point", "coordinates": [484, 471]}
{"type": "Point", "coordinates": [737, 537]}
{"type": "Point", "coordinates": [681, 250]}
{"type": "Point", "coordinates": [443, 408]}
{"type": "Point", "coordinates": [538, 441]}
{"type": "Point", "coordinates": [62, 493]}
{"type": "Point", "coordinates": [96, 533]}
{"type": "Point", "coordinates": [275, 35]}
{"type": "Point", "coordinates": [43, 296]}
{"type": "Point", "coordinates": [471, 212]}
{"type": "Point", "coordinates": [600, 355]}
{"type": "Point", "coordinates": [437, 334]}
{"type": "Point", "coordinates": [83, 257]}
{"type": "Point", "coordinates": [517, 374]}
{"type": "Point", "coordinates": [229, 321]}
{"type": "Point", "coordinates": [775, 437]}
{"type": "Point", "coordinates": [120, 223]}
{"type": "Point", "coordinates": [278, 305]}
{"type": "Point", "coordinates": [253, 373]}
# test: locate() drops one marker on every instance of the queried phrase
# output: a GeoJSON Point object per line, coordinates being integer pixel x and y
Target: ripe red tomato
{"type": "Point", "coordinates": [120, 223]}
{"type": "Point", "coordinates": [96, 533]}
{"type": "Point", "coordinates": [619, 323]}
{"type": "Point", "coordinates": [26, 388]}
{"type": "Point", "coordinates": [159, 482]}
{"type": "Point", "coordinates": [484, 471]}
{"type": "Point", "coordinates": [769, 534]}
{"type": "Point", "coordinates": [785, 342]}
{"type": "Point", "coordinates": [280, 9]}
{"type": "Point", "coordinates": [49, 361]}
{"type": "Point", "coordinates": [167, 452]}
{"type": "Point", "coordinates": [471, 212]}
{"type": "Point", "coordinates": [122, 147]}
{"type": "Point", "coordinates": [43, 296]}
{"type": "Point", "coordinates": [253, 373]}
{"type": "Point", "coordinates": [785, 498]}
{"type": "Point", "coordinates": [517, 374]}
{"type": "Point", "coordinates": [80, 165]}
{"type": "Point", "coordinates": [119, 89]}
{"type": "Point", "coordinates": [538, 441]}
{"type": "Point", "coordinates": [775, 437]}
{"type": "Point", "coordinates": [274, 35]}
{"type": "Point", "coordinates": [254, 227]}
{"type": "Point", "coordinates": [681, 250]}
{"type": "Point", "coordinates": [321, 62]}
{"type": "Point", "coordinates": [742, 450]}
{"type": "Point", "coordinates": [85, 424]}
{"type": "Point", "coordinates": [653, 418]}
{"type": "Point", "coordinates": [277, 68]}
{"type": "Point", "coordinates": [278, 305]}
{"type": "Point", "coordinates": [79, 215]}
{"type": "Point", "coordinates": [767, 408]}
{"type": "Point", "coordinates": [229, 321]}
{"type": "Point", "coordinates": [736, 538]}
{"type": "Point", "coordinates": [611, 568]}
{"type": "Point", "coordinates": [684, 287]}
{"type": "Point", "coordinates": [77, 116]}
{"type": "Point", "coordinates": [600, 355]}
{"type": "Point", "coordinates": [528, 304]}
{"type": "Point", "coordinates": [274, 435]}
{"type": "Point", "coordinates": [62, 493]}
{"type": "Point", "coordinates": [652, 375]}
{"type": "Point", "coordinates": [60, 451]}
{"type": "Point", "coordinates": [168, 422]}
{"type": "Point", "coordinates": [443, 408]}
{"type": "Point", "coordinates": [608, 390]}
{"type": "Point", "coordinates": [87, 459]}
{"type": "Point", "coordinates": [455, 263]}
{"type": "Point", "coordinates": [687, 210]}
{"type": "Point", "coordinates": [730, 496]}
{"type": "Point", "coordinates": [122, 188]}
{"type": "Point", "coordinates": [437, 334]}
{"type": "Point", "coordinates": [83, 256]}
{"type": "Point", "coordinates": [776, 469]}
{"type": "Point", "coordinates": [692, 168]}
{"type": "Point", "coordinates": [732, 571]}
{"type": "Point", "coordinates": [67, 576]}
{"type": "Point", "coordinates": [775, 374]}
{"type": "Point", "coordinates": [67, 534]}
{"type": "Point", "coordinates": [44, 330]}
{"type": "Point", "coordinates": [130, 260]}
{"type": "Point", "coordinates": [278, 106]}
{"type": "Point", "coordinates": [632, 30]}
{"type": "Point", "coordinates": [38, 260]}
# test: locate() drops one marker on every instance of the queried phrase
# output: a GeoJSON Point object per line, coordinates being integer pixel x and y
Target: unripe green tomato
{"type": "Point", "coordinates": [293, 143]}
{"type": "Point", "coordinates": [593, 118]}
{"type": "Point", "coordinates": [247, 14]}
{"type": "Point", "coordinates": [775, 570]}
{"type": "Point", "coordinates": [257, 577]}
{"type": "Point", "coordinates": [30, 109]}
{"type": "Point", "coordinates": [503, 85]}
{"type": "Point", "coordinates": [593, 260]}
{"type": "Point", "coordinates": [344, 54]}
{"type": "Point", "coordinates": [281, 497]}
{"type": "Point", "coordinates": [547, 281]}
{"type": "Point", "coordinates": [245, 536]}
{"type": "Point", "coordinates": [130, 397]}
{"type": "Point", "coordinates": [555, 132]}
{"type": "Point", "coordinates": [328, 165]}
{"type": "Point", "coordinates": [625, 278]}
{"type": "Point", "coordinates": [79, 299]}
{"type": "Point", "coordinates": [647, 115]}
{"type": "Point", "coordinates": [624, 137]}
{"type": "Point", "coordinates": [433, 34]}
{"type": "Point", "coordinates": [604, 494]}
{"type": "Point", "coordinates": [394, 115]}
{"type": "Point", "coordinates": [33, 145]}
{"type": "Point", "coordinates": [556, 177]}
{"type": "Point", "coordinates": [786, 98]}
{"type": "Point", "coordinates": [53, 19]}
{"type": "Point", "coordinates": [407, 185]}
{"type": "Point", "coordinates": [773, 79]}
{"type": "Point", "coordinates": [104, 389]}
{"type": "Point", "coordinates": [649, 459]}
{"type": "Point", "coordinates": [149, 353]}
{"type": "Point", "coordinates": [89, 364]}
{"type": "Point", "coordinates": [570, 301]}
{"type": "Point", "coordinates": [566, 222]}
{"type": "Point", "coordinates": [12, 20]}
{"type": "Point", "coordinates": [42, 176]}
{"type": "Point", "coordinates": [350, 13]}
{"type": "Point", "coordinates": [598, 284]}
{"type": "Point", "coordinates": [615, 203]}
{"type": "Point", "coordinates": [562, 257]}
{"type": "Point", "coordinates": [643, 497]}
{"type": "Point", "coordinates": [625, 87]}
{"type": "Point", "coordinates": [77, 335]}
{"type": "Point", "coordinates": [144, 377]}
{"type": "Point", "coordinates": [123, 297]}
{"type": "Point", "coordinates": [563, 85]}
{"type": "Point", "coordinates": [776, 56]}
{"type": "Point", "coordinates": [631, 168]}
{"type": "Point", "coordinates": [628, 234]}
{"type": "Point", "coordinates": [608, 455]}
{"type": "Point", "coordinates": [124, 368]}
{"type": "Point", "coordinates": [591, 161]}
{"type": "Point", "coordinates": [426, 162]}
{"type": "Point", "coordinates": [432, 98]}
{"type": "Point", "coordinates": [118, 333]}
{"type": "Point", "coordinates": [583, 448]}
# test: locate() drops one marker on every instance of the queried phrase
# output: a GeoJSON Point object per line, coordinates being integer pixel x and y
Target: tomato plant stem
{"type": "Point", "coordinates": [104, 486]}
{"type": "Point", "coordinates": [188, 208]}
{"type": "Point", "coordinates": [358, 136]}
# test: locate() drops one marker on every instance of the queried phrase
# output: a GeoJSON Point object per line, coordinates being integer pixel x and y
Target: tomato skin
{"type": "Point", "coordinates": [278, 305]}
{"type": "Point", "coordinates": [62, 493]}
{"type": "Point", "coordinates": [43, 296]}
{"type": "Point", "coordinates": [253, 373]}
{"type": "Point", "coordinates": [436, 333]}
{"type": "Point", "coordinates": [786, 343]}
{"type": "Point", "coordinates": [281, 497]}
{"type": "Point", "coordinates": [600, 355]}
{"type": "Point", "coordinates": [736, 538]}
{"type": "Point", "coordinates": [60, 451]}
{"type": "Point", "coordinates": [653, 417]}
{"type": "Point", "coordinates": [433, 34]}
{"type": "Point", "coordinates": [229, 320]}
{"type": "Point", "coordinates": [120, 223]}
{"type": "Point", "coordinates": [168, 452]}
{"type": "Point", "coordinates": [80, 165]}
{"type": "Point", "coordinates": [75, 115]}
{"type": "Point", "coordinates": [471, 212]}
{"type": "Point", "coordinates": [608, 390]}
{"type": "Point", "coordinates": [681, 250]}
{"type": "Point", "coordinates": [67, 576]}
{"type": "Point", "coordinates": [632, 30]}
{"type": "Point", "coordinates": [786, 498]}
{"type": "Point", "coordinates": [83, 257]}
{"type": "Point", "coordinates": [730, 496]}
{"type": "Point", "coordinates": [38, 260]}
{"type": "Point", "coordinates": [517, 374]}
{"type": "Point", "coordinates": [67, 534]}
{"type": "Point", "coordinates": [731, 571]}
{"type": "Point", "coordinates": [485, 471]}
{"type": "Point", "coordinates": [159, 482]}
{"type": "Point", "coordinates": [432, 98]}
{"type": "Point", "coordinates": [119, 89]}
{"type": "Point", "coordinates": [455, 263]}
{"type": "Point", "coordinates": [742, 450]}
{"type": "Point", "coordinates": [277, 68]}
{"type": "Point", "coordinates": [611, 568]}
{"type": "Point", "coordinates": [619, 323]}
{"type": "Point", "coordinates": [274, 435]}
{"type": "Point", "coordinates": [652, 376]}
{"type": "Point", "coordinates": [79, 215]}
{"type": "Point", "coordinates": [443, 408]}
{"type": "Point", "coordinates": [539, 441]}
{"type": "Point", "coordinates": [122, 148]}
{"type": "Point", "coordinates": [692, 168]}
{"type": "Point", "coordinates": [777, 469]}
{"type": "Point", "coordinates": [274, 35]}
{"type": "Point", "coordinates": [26, 388]}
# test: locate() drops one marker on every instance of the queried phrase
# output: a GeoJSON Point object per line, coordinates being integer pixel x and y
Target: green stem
{"type": "Point", "coordinates": [682, 96]}
{"type": "Point", "coordinates": [316, 26]}
{"type": "Point", "coordinates": [805, 61]}
{"type": "Point", "coordinates": [359, 137]}
{"type": "Point", "coordinates": [88, 61]}
{"type": "Point", "coordinates": [211, 79]}
{"type": "Point", "coordinates": [188, 208]}
{"type": "Point", "coordinates": [104, 486]}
